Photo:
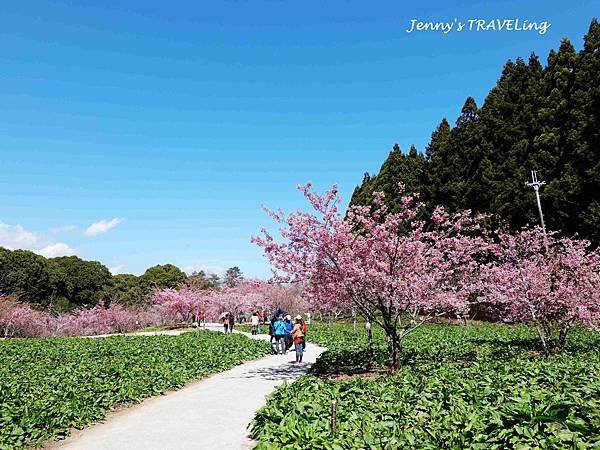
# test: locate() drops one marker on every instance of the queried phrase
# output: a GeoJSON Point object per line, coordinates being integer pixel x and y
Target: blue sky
{"type": "Point", "coordinates": [168, 124]}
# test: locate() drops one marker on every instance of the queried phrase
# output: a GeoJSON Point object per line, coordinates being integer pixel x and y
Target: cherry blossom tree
{"type": "Point", "coordinates": [229, 299]}
{"type": "Point", "coordinates": [270, 296]}
{"type": "Point", "coordinates": [100, 319]}
{"type": "Point", "coordinates": [19, 319]}
{"type": "Point", "coordinates": [553, 289]}
{"type": "Point", "coordinates": [256, 295]}
{"type": "Point", "coordinates": [182, 305]}
{"type": "Point", "coordinates": [386, 265]}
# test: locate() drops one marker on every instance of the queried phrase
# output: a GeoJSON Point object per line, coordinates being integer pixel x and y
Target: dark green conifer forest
{"type": "Point", "coordinates": [536, 117]}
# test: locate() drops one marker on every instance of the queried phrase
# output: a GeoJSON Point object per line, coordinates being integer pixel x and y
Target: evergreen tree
{"type": "Point", "coordinates": [449, 168]}
{"type": "Point", "coordinates": [162, 276]}
{"type": "Point", "coordinates": [359, 196]}
{"type": "Point", "coordinates": [26, 275]}
{"type": "Point", "coordinates": [398, 167]}
{"type": "Point", "coordinates": [509, 125]}
{"type": "Point", "coordinates": [584, 132]}
{"type": "Point", "coordinates": [553, 156]}
{"type": "Point", "coordinates": [79, 282]}
{"type": "Point", "coordinates": [233, 276]}
{"type": "Point", "coordinates": [439, 140]}
{"type": "Point", "coordinates": [437, 149]}
{"type": "Point", "coordinates": [535, 118]}
{"type": "Point", "coordinates": [126, 290]}
{"type": "Point", "coordinates": [200, 280]}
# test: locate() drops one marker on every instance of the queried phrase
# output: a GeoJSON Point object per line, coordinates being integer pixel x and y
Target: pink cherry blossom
{"type": "Point", "coordinates": [18, 319]}
{"type": "Point", "coordinates": [256, 296]}
{"type": "Point", "coordinates": [554, 289]}
{"type": "Point", "coordinates": [21, 320]}
{"type": "Point", "coordinates": [386, 265]}
{"type": "Point", "coordinates": [181, 305]}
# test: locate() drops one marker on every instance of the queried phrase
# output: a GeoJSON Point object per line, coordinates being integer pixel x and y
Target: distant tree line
{"type": "Point", "coordinates": [544, 118]}
{"type": "Point", "coordinates": [67, 282]}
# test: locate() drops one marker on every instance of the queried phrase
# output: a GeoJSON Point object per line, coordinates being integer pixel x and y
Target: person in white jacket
{"type": "Point", "coordinates": [254, 321]}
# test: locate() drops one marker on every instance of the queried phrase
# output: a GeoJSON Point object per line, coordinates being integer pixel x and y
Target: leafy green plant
{"type": "Point", "coordinates": [482, 386]}
{"type": "Point", "coordinates": [48, 386]}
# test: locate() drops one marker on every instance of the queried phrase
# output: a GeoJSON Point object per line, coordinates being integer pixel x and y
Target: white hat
{"type": "Point", "coordinates": [299, 317]}
{"type": "Point", "coordinates": [288, 317]}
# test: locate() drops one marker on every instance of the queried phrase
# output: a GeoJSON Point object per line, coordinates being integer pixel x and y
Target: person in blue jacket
{"type": "Point", "coordinates": [279, 331]}
{"type": "Point", "coordinates": [289, 326]}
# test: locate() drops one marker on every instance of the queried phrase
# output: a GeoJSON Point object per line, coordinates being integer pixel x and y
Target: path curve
{"type": "Point", "coordinates": [212, 413]}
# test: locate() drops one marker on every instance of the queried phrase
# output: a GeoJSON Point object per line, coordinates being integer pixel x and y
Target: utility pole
{"type": "Point", "coordinates": [536, 184]}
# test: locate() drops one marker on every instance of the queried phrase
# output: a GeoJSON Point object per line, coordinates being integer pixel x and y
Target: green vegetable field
{"type": "Point", "coordinates": [480, 386]}
{"type": "Point", "coordinates": [48, 386]}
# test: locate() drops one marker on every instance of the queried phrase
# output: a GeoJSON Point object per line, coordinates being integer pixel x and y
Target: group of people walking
{"type": "Point", "coordinates": [286, 333]}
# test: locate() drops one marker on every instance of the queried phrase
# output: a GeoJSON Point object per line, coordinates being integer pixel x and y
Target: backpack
{"type": "Point", "coordinates": [298, 333]}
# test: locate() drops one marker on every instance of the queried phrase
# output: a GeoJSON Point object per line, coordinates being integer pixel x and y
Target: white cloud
{"type": "Point", "coordinates": [116, 270]}
{"type": "Point", "coordinates": [54, 250]}
{"type": "Point", "coordinates": [63, 229]}
{"type": "Point", "coordinates": [102, 226]}
{"type": "Point", "coordinates": [206, 268]}
{"type": "Point", "coordinates": [15, 236]}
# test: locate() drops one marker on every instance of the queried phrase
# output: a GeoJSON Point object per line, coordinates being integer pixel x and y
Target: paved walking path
{"type": "Point", "coordinates": [212, 413]}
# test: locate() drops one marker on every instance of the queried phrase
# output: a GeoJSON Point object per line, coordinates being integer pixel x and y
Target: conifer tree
{"type": "Point", "coordinates": [584, 132]}
{"type": "Point", "coordinates": [534, 118]}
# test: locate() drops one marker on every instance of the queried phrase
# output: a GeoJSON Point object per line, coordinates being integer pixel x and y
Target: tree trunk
{"type": "Point", "coordinates": [552, 341]}
{"type": "Point", "coordinates": [562, 338]}
{"type": "Point", "coordinates": [370, 337]}
{"type": "Point", "coordinates": [394, 341]}
{"type": "Point", "coordinates": [543, 338]}
{"type": "Point", "coordinates": [394, 345]}
{"type": "Point", "coordinates": [394, 350]}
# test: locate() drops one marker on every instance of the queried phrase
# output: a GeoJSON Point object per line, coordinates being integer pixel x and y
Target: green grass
{"type": "Point", "coordinates": [480, 386]}
{"type": "Point", "coordinates": [175, 326]}
{"type": "Point", "coordinates": [246, 328]}
{"type": "Point", "coordinates": [48, 386]}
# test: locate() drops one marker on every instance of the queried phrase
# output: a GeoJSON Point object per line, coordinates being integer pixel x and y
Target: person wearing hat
{"type": "Point", "coordinates": [298, 337]}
